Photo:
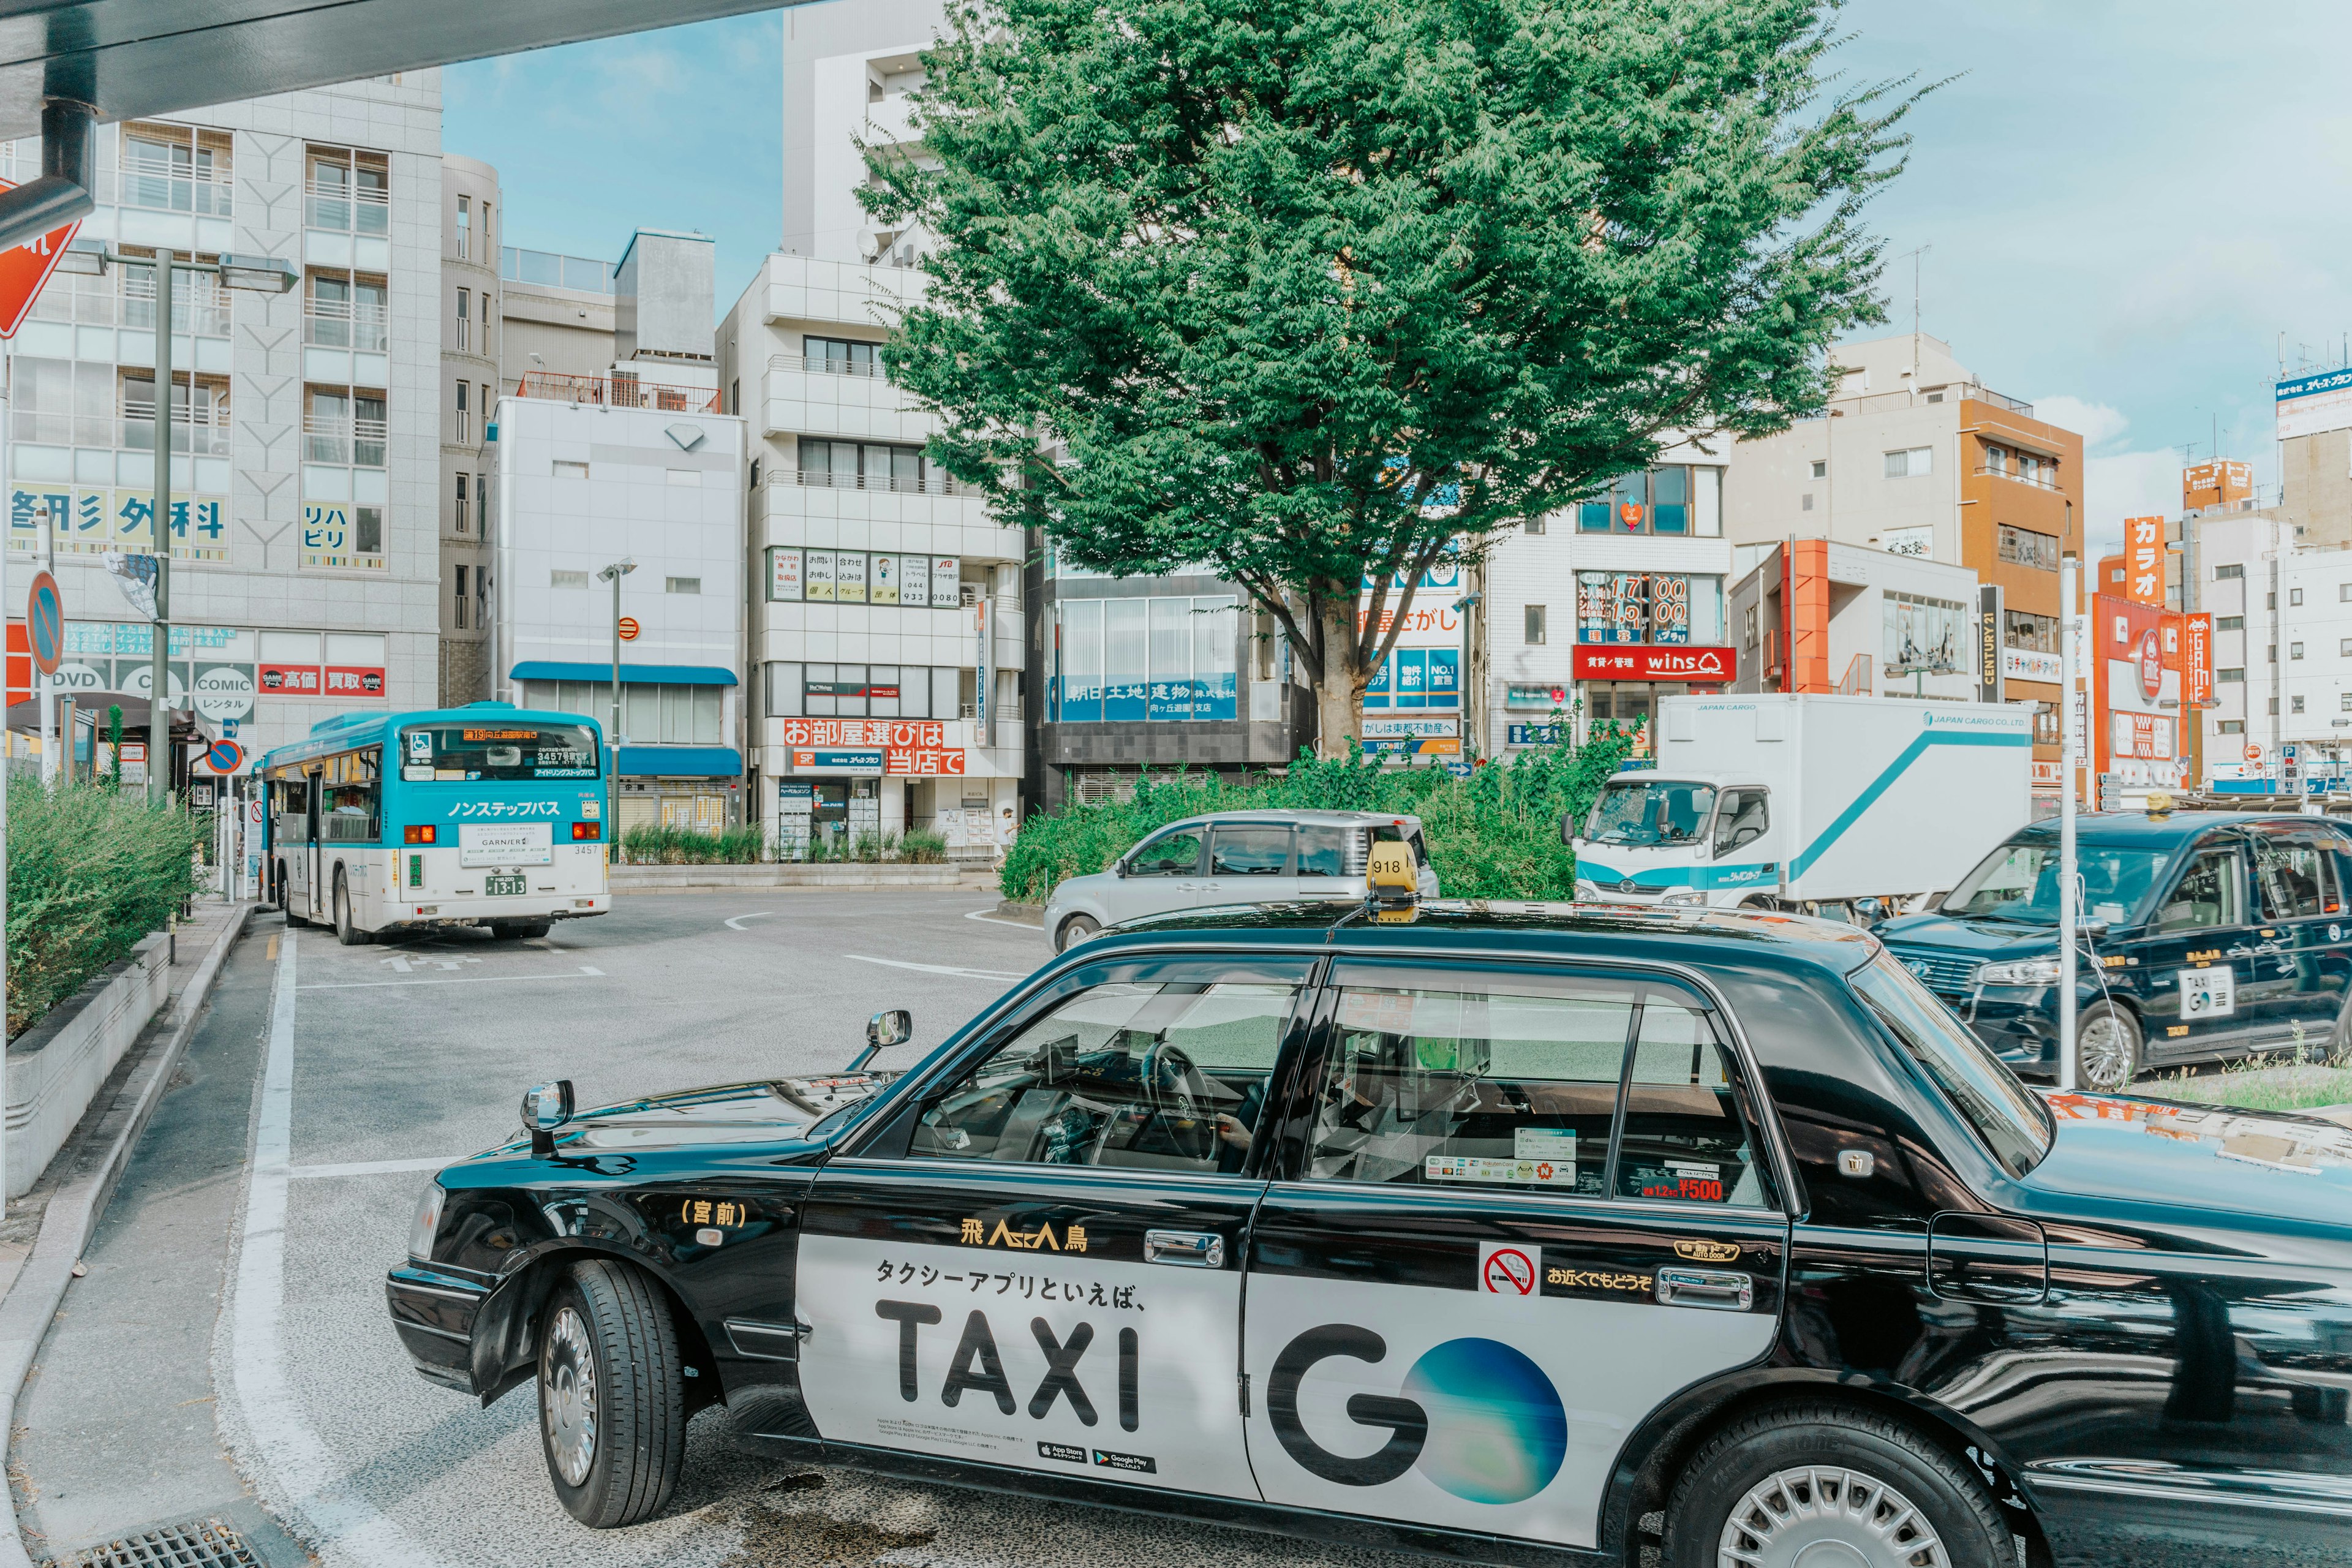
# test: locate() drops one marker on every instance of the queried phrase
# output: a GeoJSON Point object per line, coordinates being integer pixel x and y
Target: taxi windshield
{"type": "Point", "coordinates": [495, 749]}
{"type": "Point", "coordinates": [2019, 881]}
{"type": "Point", "coordinates": [1649, 812]}
{"type": "Point", "coordinates": [2005, 1115]}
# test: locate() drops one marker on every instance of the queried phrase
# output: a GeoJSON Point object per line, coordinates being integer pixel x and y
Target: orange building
{"type": "Point", "coordinates": [2021, 513]}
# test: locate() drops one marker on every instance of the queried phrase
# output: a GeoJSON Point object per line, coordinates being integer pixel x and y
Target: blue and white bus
{"type": "Point", "coordinates": [488, 814]}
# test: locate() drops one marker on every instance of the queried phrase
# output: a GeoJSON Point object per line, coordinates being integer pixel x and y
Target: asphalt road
{"type": "Point", "coordinates": [379, 1063]}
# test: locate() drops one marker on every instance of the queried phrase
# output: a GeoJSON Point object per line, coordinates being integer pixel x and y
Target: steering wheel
{"type": "Point", "coordinates": [1177, 1089]}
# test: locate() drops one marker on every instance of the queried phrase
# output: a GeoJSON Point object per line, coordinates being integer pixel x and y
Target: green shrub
{"type": "Point", "coordinates": [1495, 835]}
{"type": "Point", "coordinates": [923, 846]}
{"type": "Point", "coordinates": [90, 871]}
{"type": "Point", "coordinates": [659, 844]}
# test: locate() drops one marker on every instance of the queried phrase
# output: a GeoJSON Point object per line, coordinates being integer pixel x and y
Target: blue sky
{"type": "Point", "coordinates": [2126, 200]}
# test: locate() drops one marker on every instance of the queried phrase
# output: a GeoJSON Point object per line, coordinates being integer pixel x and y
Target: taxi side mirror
{"type": "Point", "coordinates": [895, 1027]}
{"type": "Point", "coordinates": [545, 1108]}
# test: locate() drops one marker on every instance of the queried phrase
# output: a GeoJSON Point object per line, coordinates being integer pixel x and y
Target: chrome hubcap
{"type": "Point", "coordinates": [567, 1398]}
{"type": "Point", "coordinates": [1827, 1517]}
{"type": "Point", "coordinates": [2105, 1054]}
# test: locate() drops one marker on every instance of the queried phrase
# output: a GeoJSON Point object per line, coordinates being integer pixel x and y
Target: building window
{"type": "Point", "coordinates": [560, 578]}
{"type": "Point", "coordinates": [2232, 727]}
{"type": "Point", "coordinates": [2295, 704]}
{"type": "Point", "coordinates": [1923, 635]}
{"type": "Point", "coordinates": [462, 597]}
{"type": "Point", "coordinates": [2032, 634]}
{"type": "Point", "coordinates": [1996, 459]}
{"type": "Point", "coordinates": [566, 471]}
{"type": "Point", "coordinates": [2273, 708]}
{"type": "Point", "coordinates": [482, 503]}
{"type": "Point", "coordinates": [2023, 547]}
{"type": "Point", "coordinates": [686, 478]}
{"type": "Point", "coordinates": [2230, 623]}
{"type": "Point", "coordinates": [1534, 525]}
{"type": "Point", "coordinates": [346, 311]}
{"type": "Point", "coordinates": [681, 584]}
{"type": "Point", "coordinates": [1807, 504]}
{"type": "Point", "coordinates": [2269, 600]}
{"type": "Point", "coordinates": [2045, 724]}
{"type": "Point", "coordinates": [1821, 468]}
{"type": "Point", "coordinates": [176, 168]}
{"type": "Point", "coordinates": [1678, 499]}
{"type": "Point", "coordinates": [2293, 596]}
{"type": "Point", "coordinates": [838, 357]}
{"type": "Point", "coordinates": [347, 191]}
{"type": "Point", "coordinates": [464, 415]}
{"type": "Point", "coordinates": [1748, 625]}
{"type": "Point", "coordinates": [871, 466]}
{"type": "Point", "coordinates": [2274, 659]}
{"type": "Point", "coordinates": [2236, 674]}
{"type": "Point", "coordinates": [2344, 649]}
{"type": "Point", "coordinates": [1910, 463]}
{"type": "Point", "coordinates": [735, 396]}
{"type": "Point", "coordinates": [2344, 701]}
{"type": "Point", "coordinates": [1661, 607]}
{"type": "Point", "coordinates": [464, 321]}
{"type": "Point", "coordinates": [462, 505]}
{"type": "Point", "coordinates": [1126, 660]}
{"type": "Point", "coordinates": [1535, 637]}
{"type": "Point", "coordinates": [466, 228]}
{"type": "Point", "coordinates": [2344, 591]}
{"type": "Point", "coordinates": [2231, 574]}
{"type": "Point", "coordinates": [2294, 651]}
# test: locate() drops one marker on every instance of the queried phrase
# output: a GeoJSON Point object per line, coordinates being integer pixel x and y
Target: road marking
{"type": "Point", "coordinates": [272, 956]}
{"type": "Point", "coordinates": [467, 980]}
{"type": "Point", "coordinates": [589, 969]}
{"type": "Point", "coordinates": [303, 1479]}
{"type": "Point", "coordinates": [934, 968]}
{"type": "Point", "coordinates": [372, 1167]}
{"type": "Point", "coordinates": [737, 923]}
{"type": "Point", "coordinates": [997, 920]}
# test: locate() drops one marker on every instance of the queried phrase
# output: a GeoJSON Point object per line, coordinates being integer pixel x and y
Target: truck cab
{"type": "Point", "coordinates": [1680, 838]}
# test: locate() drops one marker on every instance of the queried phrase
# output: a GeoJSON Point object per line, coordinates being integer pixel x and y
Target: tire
{"type": "Point", "coordinates": [2339, 1049]}
{"type": "Point", "coordinates": [346, 933]}
{"type": "Point", "coordinates": [294, 917]}
{"type": "Point", "coordinates": [2108, 1051]}
{"type": "Point", "coordinates": [611, 1402]}
{"type": "Point", "coordinates": [1868, 1489]}
{"type": "Point", "coordinates": [520, 930]}
{"type": "Point", "coordinates": [1074, 931]}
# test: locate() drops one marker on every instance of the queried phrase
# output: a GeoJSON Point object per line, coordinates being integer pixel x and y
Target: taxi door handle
{"type": "Point", "coordinates": [1720, 1289]}
{"type": "Point", "coordinates": [1185, 1249]}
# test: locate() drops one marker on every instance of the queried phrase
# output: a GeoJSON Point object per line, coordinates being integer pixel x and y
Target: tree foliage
{"type": "Point", "coordinates": [1318, 290]}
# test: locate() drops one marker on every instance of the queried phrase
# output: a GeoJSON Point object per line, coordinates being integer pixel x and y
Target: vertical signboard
{"type": "Point", "coordinates": [1989, 664]}
{"type": "Point", "coordinates": [2143, 560]}
{"type": "Point", "coordinates": [2197, 660]}
{"type": "Point", "coordinates": [983, 686]}
{"type": "Point", "coordinates": [784, 574]}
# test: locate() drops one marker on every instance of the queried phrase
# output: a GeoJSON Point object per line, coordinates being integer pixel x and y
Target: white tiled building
{"type": "Point", "coordinates": [2281, 612]}
{"type": "Point", "coordinates": [305, 557]}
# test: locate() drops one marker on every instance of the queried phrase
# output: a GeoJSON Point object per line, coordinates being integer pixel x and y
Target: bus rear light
{"type": "Point", "coordinates": [585, 831]}
{"type": "Point", "coordinates": [419, 835]}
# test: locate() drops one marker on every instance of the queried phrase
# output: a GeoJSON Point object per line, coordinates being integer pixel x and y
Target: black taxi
{"type": "Point", "coordinates": [1511, 1232]}
{"type": "Point", "coordinates": [2205, 936]}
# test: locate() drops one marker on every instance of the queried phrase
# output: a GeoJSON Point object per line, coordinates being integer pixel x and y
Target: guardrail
{"type": "Point", "coordinates": [618, 392]}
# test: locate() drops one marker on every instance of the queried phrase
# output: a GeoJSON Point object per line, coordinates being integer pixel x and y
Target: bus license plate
{"type": "Point", "coordinates": [495, 887]}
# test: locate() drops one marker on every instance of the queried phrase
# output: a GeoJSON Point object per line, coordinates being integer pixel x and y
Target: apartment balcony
{"type": "Point", "coordinates": [942, 518]}
{"type": "Point", "coordinates": [2041, 480]}
{"type": "Point", "coordinates": [346, 345]}
{"type": "Point", "coordinates": [346, 226]}
{"type": "Point", "coordinates": [805, 395]}
{"type": "Point", "coordinates": [162, 188]}
{"type": "Point", "coordinates": [802, 289]}
{"type": "Point", "coordinates": [618, 392]}
{"type": "Point", "coordinates": [345, 442]}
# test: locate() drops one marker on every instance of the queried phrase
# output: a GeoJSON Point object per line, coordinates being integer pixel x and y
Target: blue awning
{"type": "Point", "coordinates": [682, 762]}
{"type": "Point", "coordinates": [631, 674]}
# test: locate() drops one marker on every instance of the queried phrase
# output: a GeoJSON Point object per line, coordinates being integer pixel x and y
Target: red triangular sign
{"type": "Point", "coordinates": [24, 269]}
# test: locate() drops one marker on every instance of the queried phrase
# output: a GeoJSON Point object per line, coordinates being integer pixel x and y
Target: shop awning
{"type": "Point", "coordinates": [681, 762]}
{"type": "Point", "coordinates": [631, 674]}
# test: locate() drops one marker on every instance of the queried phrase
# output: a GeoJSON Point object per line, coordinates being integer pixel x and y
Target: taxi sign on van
{"type": "Point", "coordinates": [1391, 883]}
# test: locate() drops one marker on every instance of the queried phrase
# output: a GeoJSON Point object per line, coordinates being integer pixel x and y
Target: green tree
{"type": "Point", "coordinates": [1317, 291]}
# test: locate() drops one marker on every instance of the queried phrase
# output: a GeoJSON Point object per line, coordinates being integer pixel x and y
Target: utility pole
{"type": "Point", "coordinates": [613, 574]}
{"type": "Point", "coordinates": [159, 694]}
{"type": "Point", "coordinates": [2067, 566]}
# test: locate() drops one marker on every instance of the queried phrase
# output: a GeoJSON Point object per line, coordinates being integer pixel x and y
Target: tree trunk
{"type": "Point", "coordinates": [1339, 695]}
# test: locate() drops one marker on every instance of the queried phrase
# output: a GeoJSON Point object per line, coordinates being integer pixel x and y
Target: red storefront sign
{"type": "Point", "coordinates": [922, 762]}
{"type": "Point", "coordinates": [1707, 665]}
{"type": "Point", "coordinates": [901, 733]}
{"type": "Point", "coordinates": [353, 681]}
{"type": "Point", "coordinates": [290, 680]}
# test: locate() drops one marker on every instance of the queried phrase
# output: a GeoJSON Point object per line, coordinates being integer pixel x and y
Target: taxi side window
{"type": "Point", "coordinates": [1169, 1075]}
{"type": "Point", "coordinates": [2211, 893]}
{"type": "Point", "coordinates": [2296, 878]}
{"type": "Point", "coordinates": [1683, 1137]}
{"type": "Point", "coordinates": [1471, 1088]}
{"type": "Point", "coordinates": [1169, 854]}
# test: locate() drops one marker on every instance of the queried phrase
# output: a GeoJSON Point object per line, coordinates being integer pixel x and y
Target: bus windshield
{"type": "Point", "coordinates": [492, 749]}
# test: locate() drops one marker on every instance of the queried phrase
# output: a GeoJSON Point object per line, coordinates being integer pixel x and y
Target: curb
{"type": "Point", "coordinates": [74, 1209]}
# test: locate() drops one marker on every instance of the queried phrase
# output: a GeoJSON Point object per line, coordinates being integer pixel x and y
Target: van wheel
{"type": "Point", "coordinates": [347, 933]}
{"type": "Point", "coordinates": [2107, 1050]}
{"type": "Point", "coordinates": [1074, 931]}
{"type": "Point", "coordinates": [612, 1407]}
{"type": "Point", "coordinates": [1832, 1484]}
{"type": "Point", "coordinates": [520, 930]}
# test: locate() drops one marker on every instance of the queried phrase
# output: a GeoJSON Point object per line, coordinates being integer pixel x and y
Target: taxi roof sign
{"type": "Point", "coordinates": [1391, 886]}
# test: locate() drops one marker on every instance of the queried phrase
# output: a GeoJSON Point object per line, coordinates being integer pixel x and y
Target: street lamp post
{"type": "Point", "coordinates": [251, 274]}
{"type": "Point", "coordinates": [613, 574]}
{"type": "Point", "coordinates": [2066, 758]}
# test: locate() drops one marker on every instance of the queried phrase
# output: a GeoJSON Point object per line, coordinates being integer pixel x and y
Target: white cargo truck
{"type": "Point", "coordinates": [1807, 802]}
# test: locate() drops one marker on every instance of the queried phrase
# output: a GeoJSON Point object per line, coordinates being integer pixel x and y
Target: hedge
{"type": "Point", "coordinates": [90, 871]}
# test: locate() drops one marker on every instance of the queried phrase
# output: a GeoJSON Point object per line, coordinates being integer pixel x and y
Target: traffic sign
{"type": "Point", "coordinates": [24, 267]}
{"type": "Point", "coordinates": [629, 628]}
{"type": "Point", "coordinates": [45, 622]}
{"type": "Point", "coordinates": [226, 757]}
{"type": "Point", "coordinates": [2253, 752]}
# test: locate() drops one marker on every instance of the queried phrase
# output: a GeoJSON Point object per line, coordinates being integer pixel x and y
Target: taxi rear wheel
{"type": "Point", "coordinates": [611, 1409]}
{"type": "Point", "coordinates": [2108, 1049]}
{"type": "Point", "coordinates": [1826, 1484]}
{"type": "Point", "coordinates": [1074, 931]}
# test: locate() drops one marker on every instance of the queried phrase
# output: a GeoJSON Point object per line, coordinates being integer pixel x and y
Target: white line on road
{"type": "Point", "coordinates": [997, 920]}
{"type": "Point", "coordinates": [737, 923]}
{"type": "Point", "coordinates": [469, 980]}
{"type": "Point", "coordinates": [306, 1480]}
{"type": "Point", "coordinates": [372, 1167]}
{"type": "Point", "coordinates": [934, 968]}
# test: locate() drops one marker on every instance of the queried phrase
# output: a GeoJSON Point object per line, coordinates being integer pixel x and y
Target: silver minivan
{"type": "Point", "coordinates": [1233, 857]}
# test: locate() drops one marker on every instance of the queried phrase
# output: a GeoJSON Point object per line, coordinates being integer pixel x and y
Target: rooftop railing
{"type": "Point", "coordinates": [927, 484]}
{"type": "Point", "coordinates": [618, 392]}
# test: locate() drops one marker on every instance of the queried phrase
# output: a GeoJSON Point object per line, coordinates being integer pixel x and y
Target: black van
{"type": "Point", "coordinates": [2207, 936]}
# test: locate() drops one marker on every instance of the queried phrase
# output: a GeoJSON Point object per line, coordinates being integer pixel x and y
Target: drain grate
{"type": "Point", "coordinates": [199, 1543]}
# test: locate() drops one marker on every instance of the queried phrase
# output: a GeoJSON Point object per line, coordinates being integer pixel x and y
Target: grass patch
{"type": "Point", "coordinates": [2261, 1083]}
{"type": "Point", "coordinates": [90, 871]}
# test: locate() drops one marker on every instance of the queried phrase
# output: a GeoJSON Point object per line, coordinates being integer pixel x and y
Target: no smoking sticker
{"type": "Point", "coordinates": [1505, 1269]}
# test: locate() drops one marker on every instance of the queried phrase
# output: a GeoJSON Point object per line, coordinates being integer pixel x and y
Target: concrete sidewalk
{"type": "Point", "coordinates": [112, 1432]}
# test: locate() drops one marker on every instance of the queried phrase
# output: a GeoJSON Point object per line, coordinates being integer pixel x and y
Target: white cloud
{"type": "Point", "coordinates": [2095, 423]}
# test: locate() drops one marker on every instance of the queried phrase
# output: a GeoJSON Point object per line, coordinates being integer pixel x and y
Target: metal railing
{"type": "Point", "coordinates": [2046, 480]}
{"type": "Point", "coordinates": [347, 208]}
{"type": "Point", "coordinates": [618, 392]}
{"type": "Point", "coordinates": [1907, 397]}
{"type": "Point", "coordinates": [327, 324]}
{"type": "Point", "coordinates": [159, 187]}
{"type": "Point", "coordinates": [928, 485]}
{"type": "Point", "coordinates": [356, 442]}
{"type": "Point", "coordinates": [129, 433]}
{"type": "Point", "coordinates": [1856, 680]}
{"type": "Point", "coordinates": [825, 365]}
{"type": "Point", "coordinates": [1987, 395]}
{"type": "Point", "coordinates": [200, 437]}
{"type": "Point", "coordinates": [199, 308]}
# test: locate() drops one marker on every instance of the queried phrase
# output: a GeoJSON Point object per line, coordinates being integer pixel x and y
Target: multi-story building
{"type": "Point", "coordinates": [471, 205]}
{"type": "Point", "coordinates": [555, 314]}
{"type": "Point", "coordinates": [2282, 611]}
{"type": "Point", "coordinates": [306, 568]}
{"type": "Point", "coordinates": [636, 466]}
{"type": "Point", "coordinates": [1898, 626]}
{"type": "Point", "coordinates": [1915, 457]}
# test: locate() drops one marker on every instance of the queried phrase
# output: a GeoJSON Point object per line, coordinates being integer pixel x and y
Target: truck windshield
{"type": "Point", "coordinates": [2019, 881]}
{"type": "Point", "coordinates": [488, 749]}
{"type": "Point", "coordinates": [1649, 811]}
{"type": "Point", "coordinates": [2013, 1124]}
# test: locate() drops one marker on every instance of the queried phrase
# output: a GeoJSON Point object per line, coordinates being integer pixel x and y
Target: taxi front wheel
{"type": "Point", "coordinates": [1823, 1483]}
{"type": "Point", "coordinates": [611, 1410]}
